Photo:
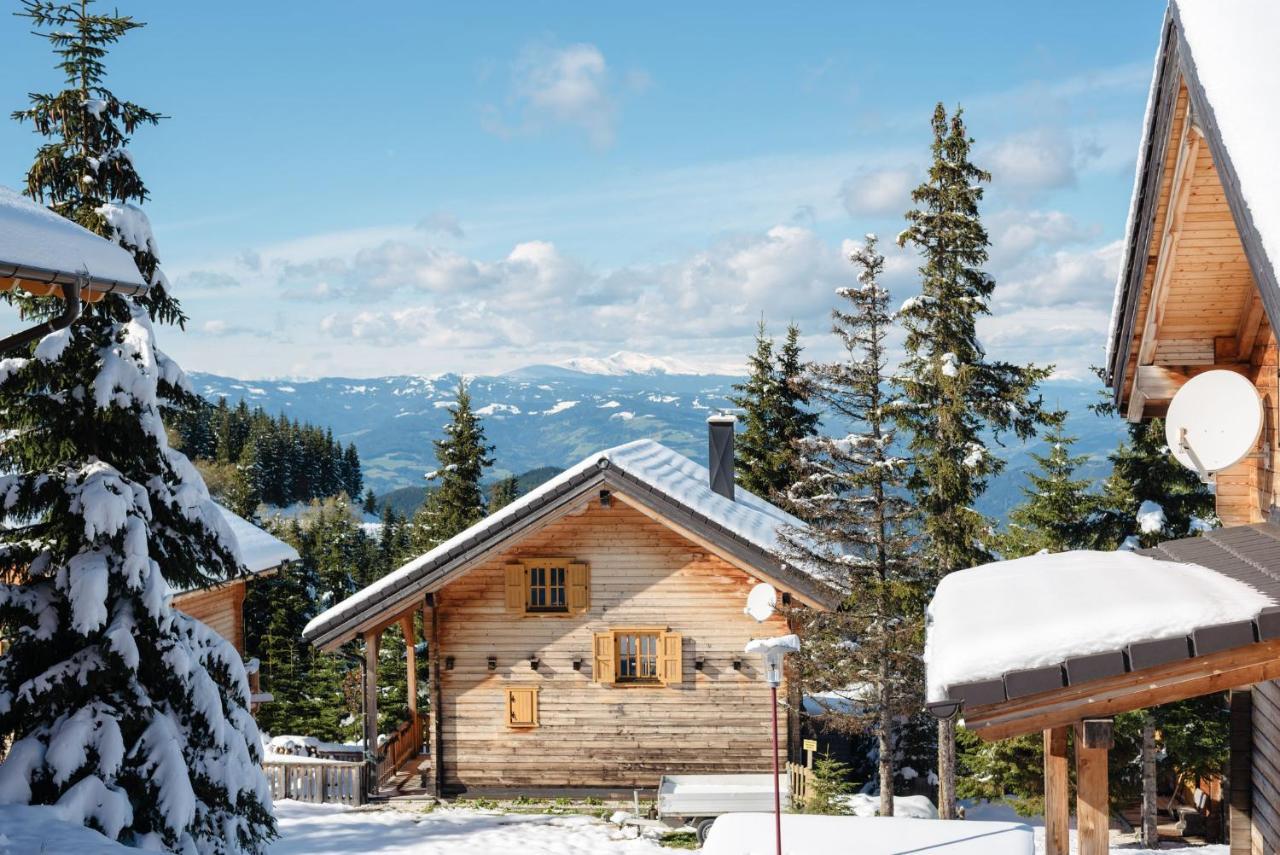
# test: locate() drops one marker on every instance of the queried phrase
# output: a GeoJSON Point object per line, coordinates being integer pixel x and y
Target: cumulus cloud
{"type": "Point", "coordinates": [441, 223]}
{"type": "Point", "coordinates": [1084, 276]}
{"type": "Point", "coordinates": [206, 279]}
{"type": "Point", "coordinates": [1037, 160]}
{"type": "Point", "coordinates": [571, 85]}
{"type": "Point", "coordinates": [885, 190]}
{"type": "Point", "coordinates": [220, 328]}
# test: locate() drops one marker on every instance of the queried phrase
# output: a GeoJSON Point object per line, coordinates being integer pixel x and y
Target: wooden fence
{"type": "Point", "coordinates": [800, 778]}
{"type": "Point", "coordinates": [317, 781]}
{"type": "Point", "coordinates": [399, 748]}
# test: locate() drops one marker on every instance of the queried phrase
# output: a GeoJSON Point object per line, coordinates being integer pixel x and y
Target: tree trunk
{"type": "Point", "coordinates": [1149, 837]}
{"type": "Point", "coordinates": [947, 768]}
{"type": "Point", "coordinates": [886, 755]}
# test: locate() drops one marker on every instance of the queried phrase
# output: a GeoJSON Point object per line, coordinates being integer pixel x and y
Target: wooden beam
{"type": "Point", "coordinates": [1251, 316]}
{"type": "Point", "coordinates": [435, 738]}
{"type": "Point", "coordinates": [1186, 678]}
{"type": "Point", "coordinates": [1179, 196]}
{"type": "Point", "coordinates": [1240, 776]}
{"type": "Point", "coordinates": [1093, 806]}
{"type": "Point", "coordinates": [411, 664]}
{"type": "Point", "coordinates": [1057, 797]}
{"type": "Point", "coordinates": [371, 644]}
{"type": "Point", "coordinates": [1155, 385]}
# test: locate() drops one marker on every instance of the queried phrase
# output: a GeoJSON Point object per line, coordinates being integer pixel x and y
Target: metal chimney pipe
{"type": "Point", "coordinates": [720, 454]}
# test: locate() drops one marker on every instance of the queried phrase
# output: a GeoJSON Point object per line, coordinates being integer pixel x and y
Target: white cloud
{"type": "Point", "coordinates": [885, 190]}
{"type": "Point", "coordinates": [571, 85]}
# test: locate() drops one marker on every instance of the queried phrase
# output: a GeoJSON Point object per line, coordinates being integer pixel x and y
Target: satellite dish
{"type": "Point", "coordinates": [1214, 420]}
{"type": "Point", "coordinates": [761, 602]}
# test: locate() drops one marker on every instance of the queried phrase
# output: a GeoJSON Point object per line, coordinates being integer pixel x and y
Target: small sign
{"type": "Point", "coordinates": [810, 745]}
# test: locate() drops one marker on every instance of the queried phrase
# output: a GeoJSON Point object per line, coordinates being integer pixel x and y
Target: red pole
{"type": "Point", "coordinates": [777, 788]}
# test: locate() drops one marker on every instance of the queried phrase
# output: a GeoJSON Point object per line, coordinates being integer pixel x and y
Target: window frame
{"type": "Point", "coordinates": [637, 657]}
{"type": "Point", "coordinates": [530, 580]}
{"type": "Point", "coordinates": [664, 640]}
{"type": "Point", "coordinates": [547, 566]}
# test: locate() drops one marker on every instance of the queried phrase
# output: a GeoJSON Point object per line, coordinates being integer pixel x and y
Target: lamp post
{"type": "Point", "coordinates": [760, 605]}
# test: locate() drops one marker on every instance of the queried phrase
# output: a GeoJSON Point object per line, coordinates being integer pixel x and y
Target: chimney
{"type": "Point", "coordinates": [720, 453]}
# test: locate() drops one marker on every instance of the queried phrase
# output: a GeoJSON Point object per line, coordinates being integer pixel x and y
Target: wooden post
{"type": "Point", "coordinates": [1057, 796]}
{"type": "Point", "coordinates": [1241, 774]}
{"type": "Point", "coordinates": [435, 785]}
{"type": "Point", "coordinates": [371, 640]}
{"type": "Point", "coordinates": [1148, 834]}
{"type": "Point", "coordinates": [1093, 809]}
{"type": "Point", "coordinates": [947, 768]}
{"type": "Point", "coordinates": [411, 673]}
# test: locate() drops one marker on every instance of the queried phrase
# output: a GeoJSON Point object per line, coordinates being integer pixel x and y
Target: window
{"type": "Point", "coordinates": [522, 706]}
{"type": "Point", "coordinates": [547, 586]}
{"type": "Point", "coordinates": [637, 656]}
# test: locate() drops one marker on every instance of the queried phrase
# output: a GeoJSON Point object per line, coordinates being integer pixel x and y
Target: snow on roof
{"type": "Point", "coordinates": [1044, 609]}
{"type": "Point", "coordinates": [32, 236]}
{"type": "Point", "coordinates": [259, 550]}
{"type": "Point", "coordinates": [743, 833]}
{"type": "Point", "coordinates": [665, 471]}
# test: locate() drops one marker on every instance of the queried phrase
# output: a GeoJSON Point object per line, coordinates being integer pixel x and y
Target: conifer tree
{"type": "Point", "coordinates": [775, 418]}
{"type": "Point", "coordinates": [503, 492]}
{"type": "Point", "coordinates": [130, 715]}
{"type": "Point", "coordinates": [1059, 511]}
{"type": "Point", "coordinates": [462, 456]}
{"type": "Point", "coordinates": [953, 395]}
{"type": "Point", "coordinates": [853, 492]}
{"type": "Point", "coordinates": [370, 503]}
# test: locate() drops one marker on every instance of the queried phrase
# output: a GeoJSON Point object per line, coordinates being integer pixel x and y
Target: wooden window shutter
{"type": "Point", "coordinates": [522, 707]}
{"type": "Point", "coordinates": [579, 577]}
{"type": "Point", "coordinates": [670, 658]}
{"type": "Point", "coordinates": [515, 585]}
{"type": "Point", "coordinates": [602, 667]}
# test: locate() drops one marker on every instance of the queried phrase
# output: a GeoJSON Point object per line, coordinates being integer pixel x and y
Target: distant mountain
{"type": "Point", "coordinates": [406, 500]}
{"type": "Point", "coordinates": [625, 362]}
{"type": "Point", "coordinates": [554, 415]}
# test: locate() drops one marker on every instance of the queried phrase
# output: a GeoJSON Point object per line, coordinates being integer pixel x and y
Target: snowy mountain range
{"type": "Point", "coordinates": [554, 415]}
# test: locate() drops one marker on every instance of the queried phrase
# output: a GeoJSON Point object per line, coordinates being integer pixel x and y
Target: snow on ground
{"type": "Point", "coordinates": [752, 834]}
{"type": "Point", "coordinates": [1004, 812]}
{"type": "Point", "coordinates": [327, 830]}
{"type": "Point", "coordinates": [28, 829]}
{"type": "Point", "coordinates": [976, 633]}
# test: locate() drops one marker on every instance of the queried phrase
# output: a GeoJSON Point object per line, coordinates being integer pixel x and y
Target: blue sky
{"type": "Point", "coordinates": [431, 187]}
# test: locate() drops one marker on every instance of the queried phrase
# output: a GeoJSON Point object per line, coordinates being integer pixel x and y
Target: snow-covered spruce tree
{"type": "Point", "coordinates": [773, 400]}
{"type": "Point", "coordinates": [953, 396]}
{"type": "Point", "coordinates": [1059, 511]}
{"type": "Point", "coordinates": [461, 457]}
{"type": "Point", "coordinates": [853, 492]}
{"type": "Point", "coordinates": [128, 715]}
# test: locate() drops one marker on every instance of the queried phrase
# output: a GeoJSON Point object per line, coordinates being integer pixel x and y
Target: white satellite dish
{"type": "Point", "coordinates": [761, 602]}
{"type": "Point", "coordinates": [1214, 421]}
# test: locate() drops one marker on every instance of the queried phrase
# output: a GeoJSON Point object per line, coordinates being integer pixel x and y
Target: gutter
{"type": "Point", "coordinates": [70, 314]}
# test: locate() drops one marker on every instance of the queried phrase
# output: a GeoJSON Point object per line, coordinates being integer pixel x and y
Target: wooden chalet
{"type": "Point", "coordinates": [1198, 290]}
{"type": "Point", "coordinates": [221, 606]}
{"type": "Point", "coordinates": [590, 634]}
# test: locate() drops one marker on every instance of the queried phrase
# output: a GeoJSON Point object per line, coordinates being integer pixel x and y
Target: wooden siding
{"type": "Point", "coordinates": [1265, 799]}
{"type": "Point", "coordinates": [592, 734]}
{"type": "Point", "coordinates": [221, 608]}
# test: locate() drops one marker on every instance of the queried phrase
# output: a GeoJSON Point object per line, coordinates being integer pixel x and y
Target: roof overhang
{"type": "Point", "coordinates": [505, 533]}
{"type": "Point", "coordinates": [1175, 69]}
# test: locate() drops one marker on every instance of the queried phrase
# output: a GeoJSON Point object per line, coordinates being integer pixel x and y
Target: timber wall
{"type": "Point", "coordinates": [594, 735]}
{"type": "Point", "coordinates": [220, 608]}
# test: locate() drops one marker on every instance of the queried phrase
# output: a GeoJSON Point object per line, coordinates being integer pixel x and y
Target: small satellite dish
{"type": "Point", "coordinates": [1214, 420]}
{"type": "Point", "coordinates": [761, 602]}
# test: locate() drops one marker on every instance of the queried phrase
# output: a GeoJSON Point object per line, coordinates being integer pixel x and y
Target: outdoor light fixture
{"type": "Point", "coordinates": [448, 663]}
{"type": "Point", "coordinates": [606, 499]}
{"type": "Point", "coordinates": [697, 663]}
{"type": "Point", "coordinates": [493, 663]}
{"type": "Point", "coordinates": [577, 663]}
{"type": "Point", "coordinates": [786, 598]}
{"type": "Point", "coordinates": [534, 661]}
{"type": "Point", "coordinates": [737, 664]}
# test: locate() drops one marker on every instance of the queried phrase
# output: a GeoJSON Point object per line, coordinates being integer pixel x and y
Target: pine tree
{"type": "Point", "coordinates": [129, 714]}
{"type": "Point", "coordinates": [462, 456]}
{"type": "Point", "coordinates": [776, 417]}
{"type": "Point", "coordinates": [503, 492]}
{"type": "Point", "coordinates": [953, 396]}
{"type": "Point", "coordinates": [1149, 496]}
{"type": "Point", "coordinates": [852, 490]}
{"type": "Point", "coordinates": [370, 502]}
{"type": "Point", "coordinates": [1059, 511]}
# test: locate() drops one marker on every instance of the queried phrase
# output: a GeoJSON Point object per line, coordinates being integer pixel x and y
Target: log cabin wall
{"type": "Point", "coordinates": [642, 574]}
{"type": "Point", "coordinates": [220, 608]}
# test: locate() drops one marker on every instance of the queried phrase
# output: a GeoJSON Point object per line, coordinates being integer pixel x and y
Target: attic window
{"type": "Point", "coordinates": [547, 586]}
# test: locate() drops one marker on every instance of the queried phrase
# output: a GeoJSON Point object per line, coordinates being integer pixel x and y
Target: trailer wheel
{"type": "Point", "coordinates": [702, 827]}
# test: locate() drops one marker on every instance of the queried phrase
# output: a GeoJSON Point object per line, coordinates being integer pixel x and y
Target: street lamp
{"type": "Point", "coordinates": [761, 603]}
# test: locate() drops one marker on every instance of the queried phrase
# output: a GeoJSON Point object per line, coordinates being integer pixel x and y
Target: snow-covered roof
{"type": "Point", "coordinates": [259, 550]}
{"type": "Point", "coordinates": [38, 245]}
{"type": "Point", "coordinates": [746, 519]}
{"type": "Point", "coordinates": [1228, 52]}
{"type": "Point", "coordinates": [1044, 611]}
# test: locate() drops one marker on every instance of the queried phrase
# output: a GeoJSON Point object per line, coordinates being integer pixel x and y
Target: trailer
{"type": "Point", "coordinates": [697, 800]}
